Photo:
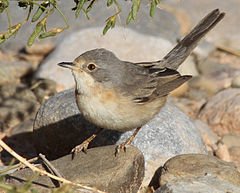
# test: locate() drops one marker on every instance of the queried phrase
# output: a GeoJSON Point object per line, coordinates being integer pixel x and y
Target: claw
{"type": "Point", "coordinates": [82, 147]}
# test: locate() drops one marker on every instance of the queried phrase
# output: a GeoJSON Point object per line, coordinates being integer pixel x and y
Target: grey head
{"type": "Point", "coordinates": [104, 67]}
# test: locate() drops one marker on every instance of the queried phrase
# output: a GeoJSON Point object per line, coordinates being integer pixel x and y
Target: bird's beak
{"type": "Point", "coordinates": [66, 65]}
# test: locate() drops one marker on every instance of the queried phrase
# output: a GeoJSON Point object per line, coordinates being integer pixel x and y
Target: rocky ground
{"type": "Point", "coordinates": [192, 145]}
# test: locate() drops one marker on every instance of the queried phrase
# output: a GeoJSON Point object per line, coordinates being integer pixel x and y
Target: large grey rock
{"type": "Point", "coordinates": [98, 168]}
{"type": "Point", "coordinates": [203, 184]}
{"type": "Point", "coordinates": [163, 23]}
{"type": "Point", "coordinates": [59, 127]}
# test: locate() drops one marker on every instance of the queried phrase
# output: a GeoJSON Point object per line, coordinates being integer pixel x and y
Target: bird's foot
{"type": "Point", "coordinates": [122, 147]}
{"type": "Point", "coordinates": [82, 147]}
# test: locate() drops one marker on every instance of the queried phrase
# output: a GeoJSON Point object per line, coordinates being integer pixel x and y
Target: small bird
{"type": "Point", "coordinates": [120, 95]}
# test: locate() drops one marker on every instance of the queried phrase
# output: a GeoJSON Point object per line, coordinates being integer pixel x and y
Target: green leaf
{"type": "Point", "coordinates": [79, 7]}
{"type": "Point", "coordinates": [107, 27]}
{"type": "Point", "coordinates": [134, 9]}
{"type": "Point", "coordinates": [38, 29]}
{"type": "Point", "coordinates": [129, 18]}
{"type": "Point", "coordinates": [153, 8]}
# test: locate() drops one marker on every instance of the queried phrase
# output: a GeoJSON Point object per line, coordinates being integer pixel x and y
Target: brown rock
{"type": "Point", "coordinates": [231, 140]}
{"type": "Point", "coordinates": [222, 152]}
{"type": "Point", "coordinates": [187, 165]}
{"type": "Point", "coordinates": [209, 137]}
{"type": "Point", "coordinates": [98, 168]}
{"type": "Point", "coordinates": [40, 48]}
{"type": "Point", "coordinates": [235, 155]}
{"type": "Point", "coordinates": [221, 112]}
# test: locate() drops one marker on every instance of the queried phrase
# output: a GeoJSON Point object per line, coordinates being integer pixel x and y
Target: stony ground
{"type": "Point", "coordinates": [195, 137]}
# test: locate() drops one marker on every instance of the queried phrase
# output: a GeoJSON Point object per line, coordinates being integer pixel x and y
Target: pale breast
{"type": "Point", "coordinates": [116, 113]}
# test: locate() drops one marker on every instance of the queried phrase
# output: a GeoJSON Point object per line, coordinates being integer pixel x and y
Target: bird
{"type": "Point", "coordinates": [121, 95]}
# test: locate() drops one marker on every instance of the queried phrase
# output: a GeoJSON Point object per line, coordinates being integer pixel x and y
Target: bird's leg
{"type": "Point", "coordinates": [84, 145]}
{"type": "Point", "coordinates": [127, 142]}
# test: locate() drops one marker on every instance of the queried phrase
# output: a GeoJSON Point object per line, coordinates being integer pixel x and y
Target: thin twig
{"type": "Point", "coordinates": [35, 169]}
{"type": "Point", "coordinates": [19, 165]}
{"type": "Point", "coordinates": [50, 166]}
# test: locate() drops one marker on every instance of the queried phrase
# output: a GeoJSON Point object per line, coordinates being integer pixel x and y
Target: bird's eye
{"type": "Point", "coordinates": [91, 67]}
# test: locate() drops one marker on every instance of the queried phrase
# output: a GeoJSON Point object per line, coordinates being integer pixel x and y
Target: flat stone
{"type": "Point", "coordinates": [206, 184]}
{"type": "Point", "coordinates": [198, 165]}
{"type": "Point", "coordinates": [59, 127]}
{"type": "Point", "coordinates": [221, 112]}
{"type": "Point", "coordinates": [98, 168]}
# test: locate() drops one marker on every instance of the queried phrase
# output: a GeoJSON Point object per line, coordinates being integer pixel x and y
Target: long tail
{"type": "Point", "coordinates": [183, 49]}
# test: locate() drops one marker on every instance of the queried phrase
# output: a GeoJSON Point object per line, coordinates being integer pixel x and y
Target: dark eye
{"type": "Point", "coordinates": [91, 67]}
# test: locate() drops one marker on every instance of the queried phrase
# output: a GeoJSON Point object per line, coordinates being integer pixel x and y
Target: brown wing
{"type": "Point", "coordinates": [165, 80]}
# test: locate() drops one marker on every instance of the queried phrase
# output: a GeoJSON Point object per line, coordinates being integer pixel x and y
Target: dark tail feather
{"type": "Point", "coordinates": [183, 49]}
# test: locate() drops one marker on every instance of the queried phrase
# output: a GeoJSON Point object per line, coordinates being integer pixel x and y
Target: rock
{"type": "Point", "coordinates": [203, 50]}
{"type": "Point", "coordinates": [233, 145]}
{"type": "Point", "coordinates": [209, 137]}
{"type": "Point", "coordinates": [98, 168]}
{"type": "Point", "coordinates": [231, 140]}
{"type": "Point", "coordinates": [222, 152]}
{"type": "Point", "coordinates": [203, 83]}
{"type": "Point", "coordinates": [17, 104]}
{"type": "Point", "coordinates": [229, 25]}
{"type": "Point", "coordinates": [214, 80]}
{"type": "Point", "coordinates": [10, 71]}
{"type": "Point", "coordinates": [221, 112]}
{"type": "Point", "coordinates": [59, 124]}
{"type": "Point", "coordinates": [198, 165]}
{"type": "Point", "coordinates": [235, 155]}
{"type": "Point", "coordinates": [222, 57]}
{"type": "Point", "coordinates": [188, 67]}
{"type": "Point", "coordinates": [206, 184]}
{"type": "Point", "coordinates": [163, 23]}
{"type": "Point", "coordinates": [40, 48]}
{"type": "Point", "coordinates": [188, 106]}
{"type": "Point", "coordinates": [25, 126]}
{"type": "Point", "coordinates": [236, 82]}
{"type": "Point", "coordinates": [209, 66]}
{"type": "Point", "coordinates": [43, 89]}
